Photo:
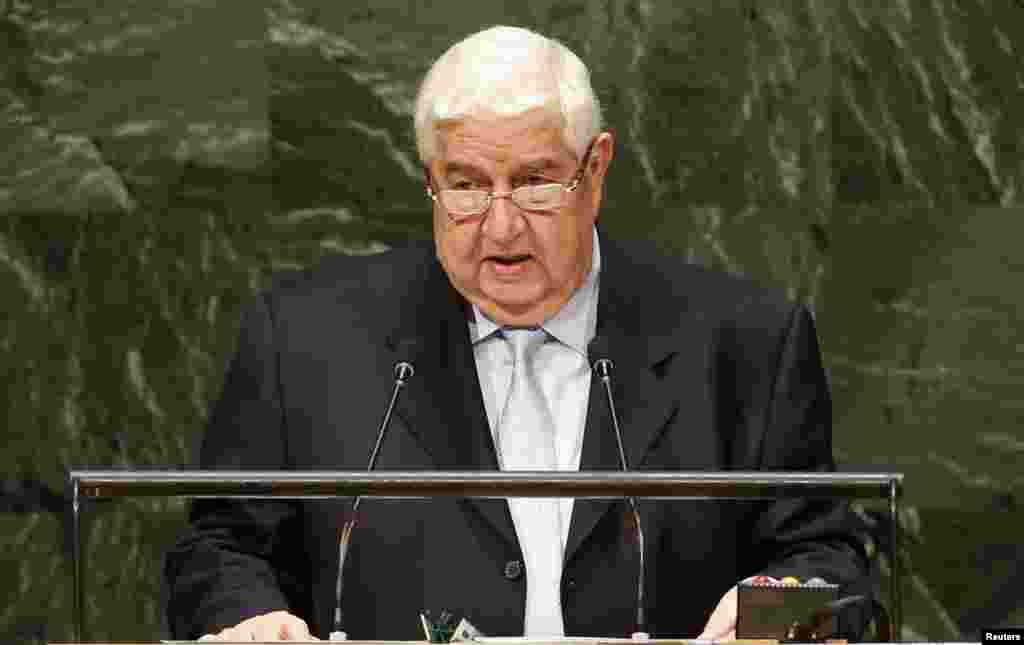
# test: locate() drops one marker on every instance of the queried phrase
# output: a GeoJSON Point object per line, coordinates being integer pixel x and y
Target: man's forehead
{"type": "Point", "coordinates": [534, 145]}
{"type": "Point", "coordinates": [469, 164]}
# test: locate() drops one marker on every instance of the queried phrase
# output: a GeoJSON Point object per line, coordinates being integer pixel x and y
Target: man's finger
{"type": "Point", "coordinates": [294, 628]}
{"type": "Point", "coordinates": [235, 634]}
{"type": "Point", "coordinates": [718, 633]}
{"type": "Point", "coordinates": [266, 629]}
{"type": "Point", "coordinates": [223, 635]}
{"type": "Point", "coordinates": [723, 619]}
{"type": "Point", "coordinates": [724, 634]}
{"type": "Point", "coordinates": [728, 636]}
{"type": "Point", "coordinates": [273, 626]}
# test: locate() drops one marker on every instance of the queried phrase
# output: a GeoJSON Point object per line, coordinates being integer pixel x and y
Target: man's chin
{"type": "Point", "coordinates": [517, 312]}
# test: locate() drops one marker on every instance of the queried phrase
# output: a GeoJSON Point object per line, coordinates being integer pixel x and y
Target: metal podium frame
{"type": "Point", "coordinates": [94, 484]}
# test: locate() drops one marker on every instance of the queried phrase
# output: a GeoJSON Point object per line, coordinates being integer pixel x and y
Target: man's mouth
{"type": "Point", "coordinates": [509, 266]}
{"type": "Point", "coordinates": [509, 260]}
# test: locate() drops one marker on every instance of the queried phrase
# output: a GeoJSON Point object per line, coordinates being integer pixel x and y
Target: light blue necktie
{"type": "Point", "coordinates": [527, 442]}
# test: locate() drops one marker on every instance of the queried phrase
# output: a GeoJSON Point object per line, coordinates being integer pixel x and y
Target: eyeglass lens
{"type": "Point", "coordinates": [473, 202]}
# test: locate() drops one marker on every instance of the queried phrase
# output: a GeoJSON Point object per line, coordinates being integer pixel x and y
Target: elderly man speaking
{"type": "Point", "coordinates": [712, 373]}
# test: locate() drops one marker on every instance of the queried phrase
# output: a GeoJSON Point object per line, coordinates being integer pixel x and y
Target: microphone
{"type": "Point", "coordinates": [403, 372]}
{"type": "Point", "coordinates": [603, 366]}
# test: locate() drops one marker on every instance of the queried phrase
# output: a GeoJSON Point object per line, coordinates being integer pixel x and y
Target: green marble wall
{"type": "Point", "coordinates": [161, 158]}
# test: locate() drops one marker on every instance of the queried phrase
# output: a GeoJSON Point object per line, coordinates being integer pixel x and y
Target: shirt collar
{"type": "Point", "coordinates": [573, 325]}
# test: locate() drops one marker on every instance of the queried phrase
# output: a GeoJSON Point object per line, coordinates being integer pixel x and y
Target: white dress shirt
{"type": "Point", "coordinates": [564, 375]}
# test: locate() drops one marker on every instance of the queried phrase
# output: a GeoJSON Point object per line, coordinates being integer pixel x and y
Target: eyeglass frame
{"type": "Point", "coordinates": [569, 187]}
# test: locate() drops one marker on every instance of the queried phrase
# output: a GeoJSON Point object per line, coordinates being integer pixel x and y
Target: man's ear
{"type": "Point", "coordinates": [605, 146]}
{"type": "Point", "coordinates": [600, 158]}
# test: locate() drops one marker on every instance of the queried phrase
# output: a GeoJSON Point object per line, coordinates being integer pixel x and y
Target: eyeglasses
{"type": "Point", "coordinates": [461, 205]}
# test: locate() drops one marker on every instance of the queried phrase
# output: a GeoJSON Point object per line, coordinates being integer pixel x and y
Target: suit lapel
{"type": "Point", "coordinates": [443, 406]}
{"type": "Point", "coordinates": [599, 453]}
{"type": "Point", "coordinates": [641, 344]}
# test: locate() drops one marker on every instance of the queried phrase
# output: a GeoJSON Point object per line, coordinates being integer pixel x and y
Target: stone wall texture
{"type": "Point", "coordinates": [160, 159]}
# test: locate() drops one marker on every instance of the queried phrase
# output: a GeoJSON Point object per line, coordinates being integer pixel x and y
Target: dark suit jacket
{"type": "Point", "coordinates": [712, 373]}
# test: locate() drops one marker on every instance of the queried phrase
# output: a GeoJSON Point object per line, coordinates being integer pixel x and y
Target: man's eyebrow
{"type": "Point", "coordinates": [452, 167]}
{"type": "Point", "coordinates": [544, 163]}
{"type": "Point", "coordinates": [533, 165]}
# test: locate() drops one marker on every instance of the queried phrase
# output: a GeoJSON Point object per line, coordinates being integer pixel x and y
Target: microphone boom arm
{"type": "Point", "coordinates": [403, 372]}
{"type": "Point", "coordinates": [603, 368]}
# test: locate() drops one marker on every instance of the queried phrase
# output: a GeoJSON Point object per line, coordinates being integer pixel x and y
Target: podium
{"type": "Point", "coordinates": [97, 484]}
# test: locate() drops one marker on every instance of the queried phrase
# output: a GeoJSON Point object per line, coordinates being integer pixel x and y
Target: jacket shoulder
{"type": "Point", "coordinates": [341, 274]}
{"type": "Point", "coordinates": [679, 285]}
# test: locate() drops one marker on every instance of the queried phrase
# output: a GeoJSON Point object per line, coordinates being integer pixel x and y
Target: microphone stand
{"type": "Point", "coordinates": [603, 368]}
{"type": "Point", "coordinates": [403, 371]}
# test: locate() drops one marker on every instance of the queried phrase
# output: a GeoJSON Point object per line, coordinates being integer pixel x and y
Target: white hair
{"type": "Point", "coordinates": [505, 72]}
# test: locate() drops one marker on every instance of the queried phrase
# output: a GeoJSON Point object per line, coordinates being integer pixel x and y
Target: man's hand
{"type": "Point", "coordinates": [275, 626]}
{"type": "Point", "coordinates": [722, 624]}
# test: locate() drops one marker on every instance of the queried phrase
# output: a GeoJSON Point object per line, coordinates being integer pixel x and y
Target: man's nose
{"type": "Point", "coordinates": [505, 219]}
